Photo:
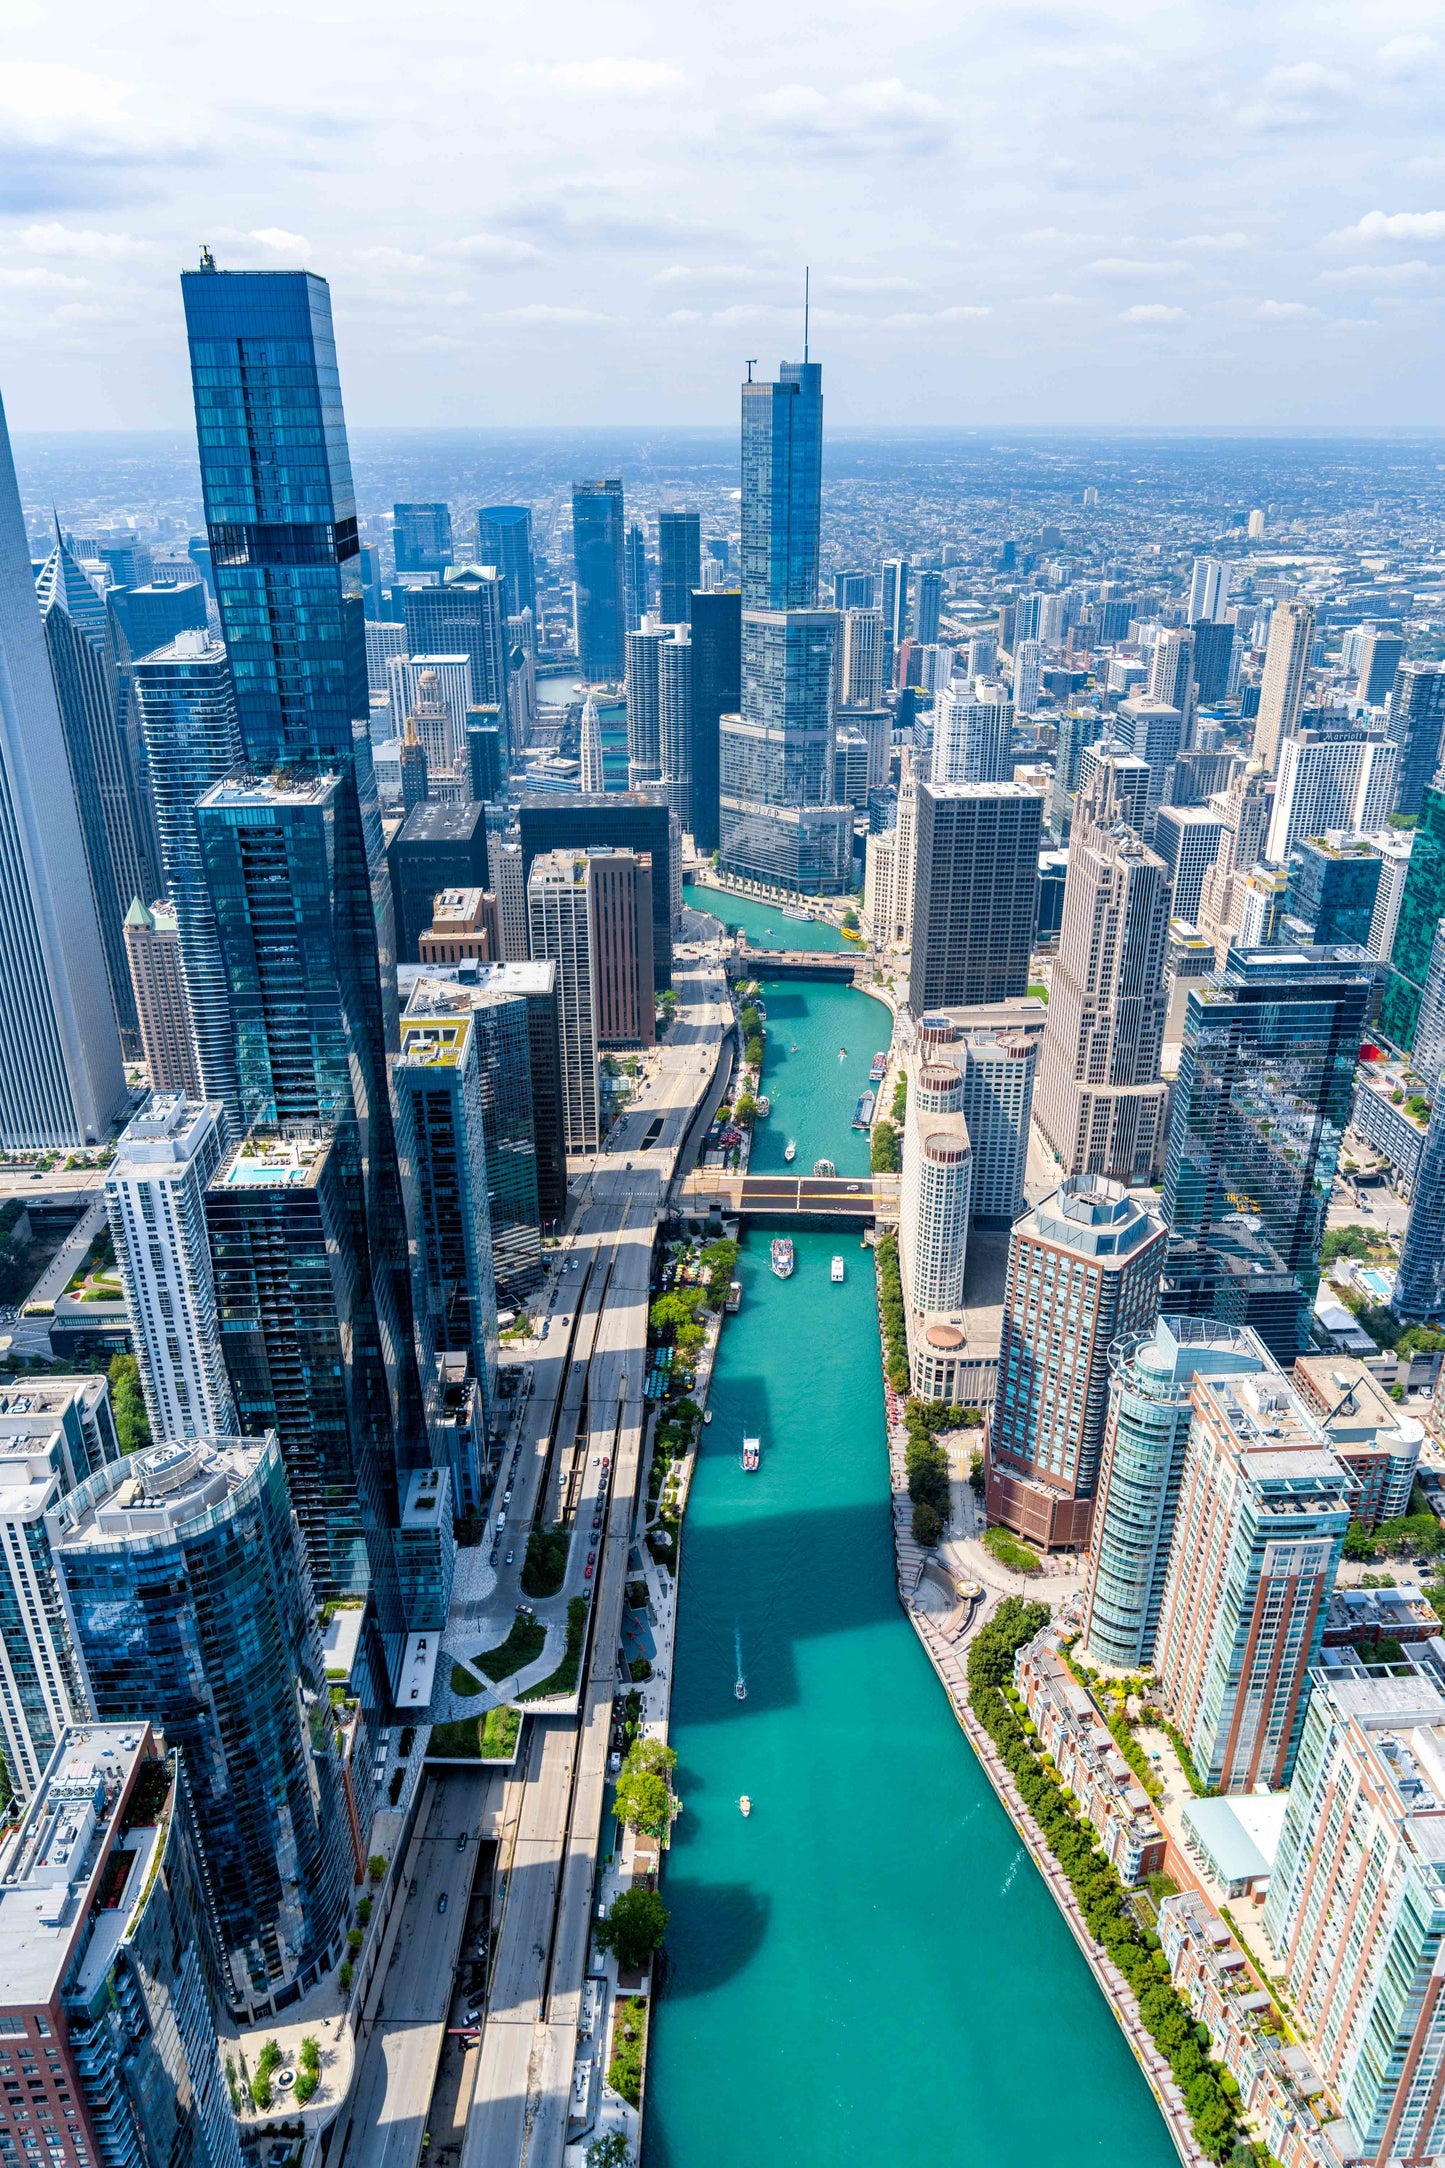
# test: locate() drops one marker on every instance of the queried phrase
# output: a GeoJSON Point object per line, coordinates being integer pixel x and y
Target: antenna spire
{"type": "Point", "coordinates": [807, 301]}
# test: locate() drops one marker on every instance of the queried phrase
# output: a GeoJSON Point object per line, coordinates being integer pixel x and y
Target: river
{"type": "Point", "coordinates": [867, 1970]}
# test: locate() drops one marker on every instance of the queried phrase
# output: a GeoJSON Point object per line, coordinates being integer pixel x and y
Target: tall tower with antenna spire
{"type": "Point", "coordinates": [778, 823]}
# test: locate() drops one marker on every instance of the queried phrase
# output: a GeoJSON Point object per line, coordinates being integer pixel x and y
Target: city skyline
{"type": "Point", "coordinates": [1151, 231]}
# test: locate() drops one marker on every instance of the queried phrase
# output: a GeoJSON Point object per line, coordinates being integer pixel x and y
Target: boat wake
{"type": "Point", "coordinates": [741, 1688]}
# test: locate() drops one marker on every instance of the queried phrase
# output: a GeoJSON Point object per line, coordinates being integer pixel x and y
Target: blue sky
{"type": "Point", "coordinates": [1070, 213]}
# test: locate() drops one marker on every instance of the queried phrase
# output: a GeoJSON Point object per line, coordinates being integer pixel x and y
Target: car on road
{"type": "Point", "coordinates": [510, 1556]}
{"type": "Point", "coordinates": [591, 1558]}
{"type": "Point", "coordinates": [853, 1185]}
{"type": "Point", "coordinates": [501, 1520]}
{"type": "Point", "coordinates": [587, 1575]}
{"type": "Point", "coordinates": [442, 1902]}
{"type": "Point", "coordinates": [462, 1842]}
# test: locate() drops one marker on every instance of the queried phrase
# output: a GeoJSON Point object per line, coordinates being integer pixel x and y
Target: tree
{"type": "Point", "coordinates": [753, 1051]}
{"type": "Point", "coordinates": [644, 1802]}
{"type": "Point", "coordinates": [927, 1527]}
{"type": "Point", "coordinates": [745, 1113]}
{"type": "Point", "coordinates": [884, 1156]}
{"type": "Point", "coordinates": [613, 2151]}
{"type": "Point", "coordinates": [850, 921]}
{"type": "Point", "coordinates": [672, 1311]}
{"type": "Point", "coordinates": [132, 1425]}
{"type": "Point", "coordinates": [634, 1928]}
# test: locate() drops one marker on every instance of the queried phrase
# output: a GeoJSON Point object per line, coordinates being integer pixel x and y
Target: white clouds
{"type": "Point", "coordinates": [1414, 273]}
{"type": "Point", "coordinates": [714, 275]}
{"type": "Point", "coordinates": [1378, 226]}
{"type": "Point", "coordinates": [1282, 312]}
{"type": "Point", "coordinates": [1122, 270]}
{"type": "Point", "coordinates": [542, 312]}
{"type": "Point", "coordinates": [493, 248]}
{"type": "Point", "coordinates": [1306, 94]}
{"type": "Point", "coordinates": [32, 278]}
{"type": "Point", "coordinates": [1404, 59]}
{"type": "Point", "coordinates": [1152, 312]}
{"type": "Point", "coordinates": [838, 283]}
{"type": "Point", "coordinates": [279, 242]}
{"type": "Point", "coordinates": [602, 78]}
{"type": "Point", "coordinates": [860, 120]}
{"type": "Point", "coordinates": [1218, 244]}
{"type": "Point", "coordinates": [57, 240]}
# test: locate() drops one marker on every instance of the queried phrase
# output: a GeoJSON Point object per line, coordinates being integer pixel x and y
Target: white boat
{"type": "Point", "coordinates": [707, 1415]}
{"type": "Point", "coordinates": [835, 1272]}
{"type": "Point", "coordinates": [780, 1257]}
{"type": "Point", "coordinates": [764, 1105]}
{"type": "Point", "coordinates": [790, 1151]}
{"type": "Point", "coordinates": [824, 1169]}
{"type": "Point", "coordinates": [752, 1455]}
{"type": "Point", "coordinates": [745, 1806]}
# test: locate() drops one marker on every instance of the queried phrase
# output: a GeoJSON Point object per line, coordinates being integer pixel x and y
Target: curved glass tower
{"type": "Point", "coordinates": [1150, 1408]}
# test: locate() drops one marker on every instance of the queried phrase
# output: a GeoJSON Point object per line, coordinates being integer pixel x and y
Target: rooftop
{"type": "Point", "coordinates": [158, 1493]}
{"type": "Point", "coordinates": [165, 1133]}
{"type": "Point", "coordinates": [55, 1856]}
{"type": "Point", "coordinates": [262, 1161]}
{"type": "Point", "coordinates": [284, 786]}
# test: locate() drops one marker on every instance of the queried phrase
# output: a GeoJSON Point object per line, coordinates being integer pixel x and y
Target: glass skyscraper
{"type": "Point", "coordinates": [1265, 1086]}
{"type": "Point", "coordinates": [1422, 906]}
{"type": "Point", "coordinates": [504, 539]}
{"type": "Point", "coordinates": [193, 1610]}
{"type": "Point", "coordinates": [679, 564]}
{"type": "Point", "coordinates": [293, 855]}
{"type": "Point", "coordinates": [601, 581]}
{"type": "Point", "coordinates": [778, 823]}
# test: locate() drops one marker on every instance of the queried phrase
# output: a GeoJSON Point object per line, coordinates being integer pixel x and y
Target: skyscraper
{"type": "Point", "coordinates": [105, 1942]}
{"type": "Point", "coordinates": [187, 707]}
{"type": "Point", "coordinates": [975, 893]}
{"type": "Point", "coordinates": [1378, 659]}
{"type": "Point", "coordinates": [193, 1610]}
{"type": "Point", "coordinates": [61, 1080]}
{"type": "Point", "coordinates": [41, 1687]}
{"type": "Point", "coordinates": [1171, 676]}
{"type": "Point", "coordinates": [644, 739]}
{"type": "Point", "coordinates": [1187, 838]}
{"type": "Point", "coordinates": [422, 537]}
{"type": "Point", "coordinates": [1151, 1406]}
{"type": "Point", "coordinates": [295, 864]}
{"type": "Point", "coordinates": [860, 666]}
{"type": "Point", "coordinates": [1420, 1279]}
{"type": "Point", "coordinates": [1153, 730]}
{"type": "Point", "coordinates": [504, 539]}
{"type": "Point", "coordinates": [1286, 673]}
{"type": "Point", "coordinates": [163, 1008]}
{"type": "Point", "coordinates": [1414, 719]}
{"type": "Point", "coordinates": [973, 734]}
{"type": "Point", "coordinates": [1083, 1272]}
{"type": "Point", "coordinates": [1420, 908]}
{"type": "Point", "coordinates": [1208, 586]}
{"type": "Point", "coordinates": [715, 648]}
{"type": "Point", "coordinates": [933, 1206]}
{"type": "Point", "coordinates": [1028, 676]}
{"type": "Point", "coordinates": [1355, 1915]}
{"type": "Point", "coordinates": [1333, 890]}
{"type": "Point", "coordinates": [679, 564]}
{"type": "Point", "coordinates": [75, 634]}
{"type": "Point", "coordinates": [927, 604]}
{"type": "Point", "coordinates": [1261, 1519]}
{"type": "Point", "coordinates": [636, 576]}
{"type": "Point", "coordinates": [437, 847]}
{"type": "Point", "coordinates": [286, 1274]}
{"type": "Point", "coordinates": [552, 822]}
{"type": "Point", "coordinates": [674, 722]}
{"type": "Point", "coordinates": [1327, 783]}
{"type": "Point", "coordinates": [1213, 660]}
{"type": "Point", "coordinates": [620, 886]}
{"type": "Point", "coordinates": [1101, 1102]}
{"type": "Point", "coordinates": [779, 824]}
{"type": "Point", "coordinates": [466, 615]}
{"type": "Point", "coordinates": [154, 1199]}
{"type": "Point", "coordinates": [894, 596]}
{"type": "Point", "coordinates": [559, 913]}
{"type": "Point", "coordinates": [1265, 1085]}
{"type": "Point", "coordinates": [597, 522]}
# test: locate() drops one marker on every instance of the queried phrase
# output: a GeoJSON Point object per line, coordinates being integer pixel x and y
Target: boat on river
{"type": "Point", "coordinates": [863, 1112]}
{"type": "Point", "coordinates": [764, 1105]}
{"type": "Point", "coordinates": [836, 1271]}
{"type": "Point", "coordinates": [824, 1169]}
{"type": "Point", "coordinates": [752, 1455]}
{"type": "Point", "coordinates": [745, 1806]}
{"type": "Point", "coordinates": [781, 1258]}
{"type": "Point", "coordinates": [790, 1151]}
{"type": "Point", "coordinates": [842, 1053]}
{"type": "Point", "coordinates": [880, 1064]}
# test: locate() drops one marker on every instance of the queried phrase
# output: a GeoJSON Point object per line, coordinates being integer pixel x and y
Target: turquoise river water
{"type": "Point", "coordinates": [867, 1970]}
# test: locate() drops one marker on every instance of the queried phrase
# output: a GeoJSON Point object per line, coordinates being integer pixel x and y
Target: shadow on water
{"type": "Point", "coordinates": [727, 1923]}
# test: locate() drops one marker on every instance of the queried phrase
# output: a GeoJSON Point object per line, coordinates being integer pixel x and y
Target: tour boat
{"type": "Point", "coordinates": [824, 1169]}
{"type": "Point", "coordinates": [836, 1272]}
{"type": "Point", "coordinates": [764, 1105]}
{"type": "Point", "coordinates": [790, 1151]}
{"type": "Point", "coordinates": [793, 1048]}
{"type": "Point", "coordinates": [842, 1053]}
{"type": "Point", "coordinates": [707, 1415]}
{"type": "Point", "coordinates": [745, 1806]}
{"type": "Point", "coordinates": [780, 1256]}
{"type": "Point", "coordinates": [752, 1455]}
{"type": "Point", "coordinates": [880, 1063]}
{"type": "Point", "coordinates": [863, 1112]}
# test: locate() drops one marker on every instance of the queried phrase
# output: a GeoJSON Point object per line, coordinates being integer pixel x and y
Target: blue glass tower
{"type": "Point", "coordinates": [504, 539]}
{"type": "Point", "coordinates": [1265, 1085]}
{"type": "Point", "coordinates": [601, 580]}
{"type": "Point", "coordinates": [294, 859]}
{"type": "Point", "coordinates": [777, 821]}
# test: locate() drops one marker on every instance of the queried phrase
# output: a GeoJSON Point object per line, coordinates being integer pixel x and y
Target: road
{"type": "Point", "coordinates": [401, 2043]}
{"type": "Point", "coordinates": [791, 1193]}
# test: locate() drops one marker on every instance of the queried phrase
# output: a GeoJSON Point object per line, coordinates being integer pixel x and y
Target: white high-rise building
{"type": "Point", "coordinates": [559, 918]}
{"type": "Point", "coordinates": [385, 643]}
{"type": "Point", "coordinates": [973, 734]}
{"type": "Point", "coordinates": [935, 667]}
{"type": "Point", "coordinates": [453, 684]}
{"type": "Point", "coordinates": [1171, 677]}
{"type": "Point", "coordinates": [1208, 588]}
{"type": "Point", "coordinates": [155, 1202]}
{"type": "Point", "coordinates": [889, 865]}
{"type": "Point", "coordinates": [1392, 846]}
{"type": "Point", "coordinates": [933, 1199]}
{"type": "Point", "coordinates": [593, 776]}
{"type": "Point", "coordinates": [511, 893]}
{"type": "Point", "coordinates": [61, 1079]}
{"type": "Point", "coordinates": [860, 659]}
{"type": "Point", "coordinates": [1028, 676]}
{"type": "Point", "coordinates": [1327, 784]}
{"type": "Point", "coordinates": [1286, 674]}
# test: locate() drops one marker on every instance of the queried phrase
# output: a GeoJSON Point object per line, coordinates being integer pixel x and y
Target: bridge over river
{"type": "Point", "coordinates": [864, 1197]}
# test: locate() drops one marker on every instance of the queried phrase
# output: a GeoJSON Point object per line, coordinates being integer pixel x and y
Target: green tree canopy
{"type": "Point", "coordinates": [634, 1928]}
